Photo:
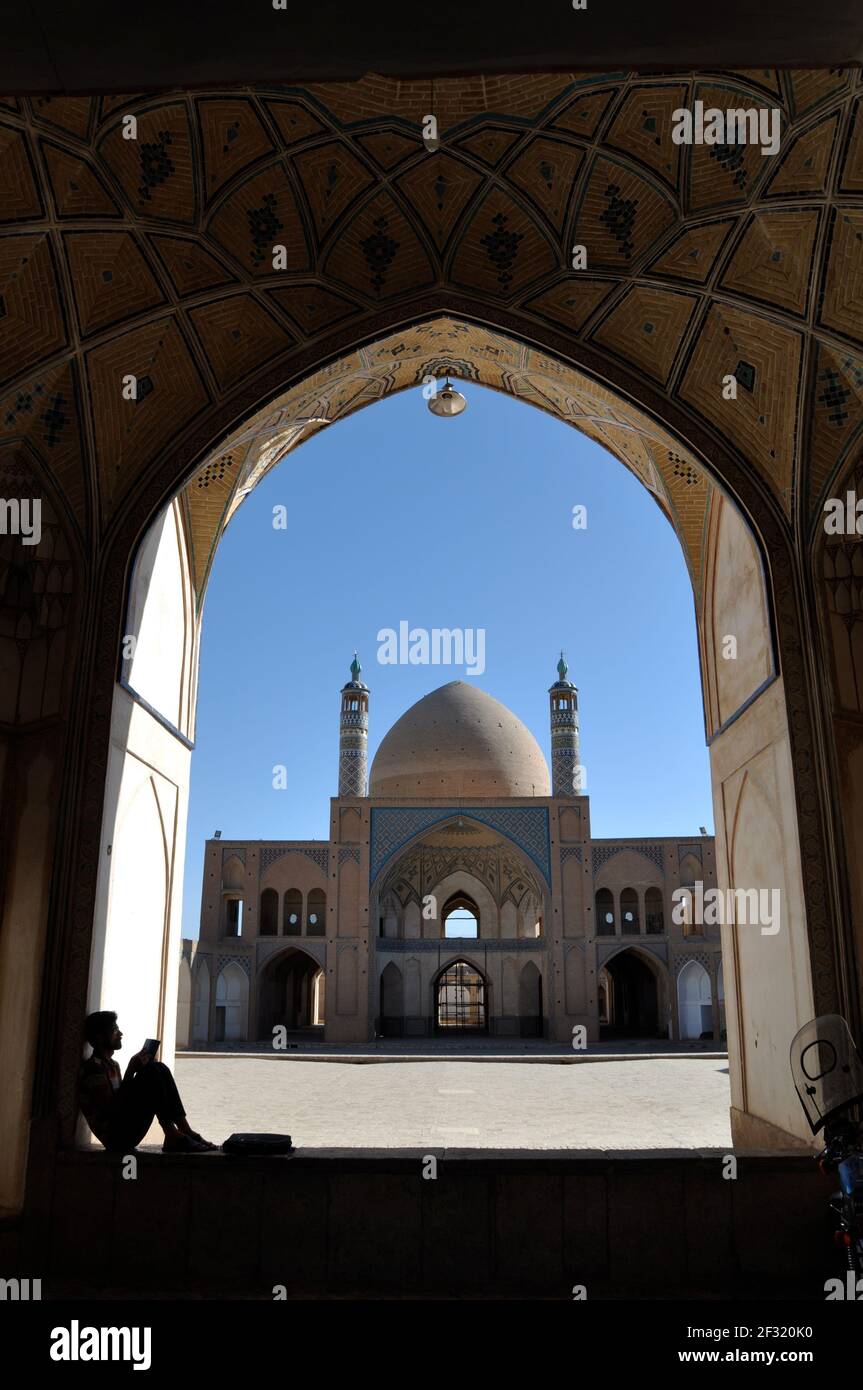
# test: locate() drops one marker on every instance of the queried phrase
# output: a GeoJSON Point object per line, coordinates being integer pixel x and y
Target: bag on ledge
{"type": "Point", "coordinates": [246, 1145]}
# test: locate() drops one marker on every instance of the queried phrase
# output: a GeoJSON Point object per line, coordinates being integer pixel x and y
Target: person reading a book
{"type": "Point", "coordinates": [120, 1109]}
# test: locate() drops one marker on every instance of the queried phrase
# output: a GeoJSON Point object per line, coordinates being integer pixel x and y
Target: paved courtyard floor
{"type": "Point", "coordinates": [664, 1102]}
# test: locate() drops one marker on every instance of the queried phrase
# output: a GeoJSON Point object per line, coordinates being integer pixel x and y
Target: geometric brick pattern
{"type": "Point", "coordinates": [76, 188]}
{"type": "Point", "coordinates": [761, 420]}
{"type": "Point", "coordinates": [772, 262]}
{"type": "Point", "coordinates": [805, 166]}
{"type": "Point", "coordinates": [693, 255]}
{"type": "Point", "coordinates": [27, 281]}
{"type": "Point", "coordinates": [154, 257]}
{"type": "Point", "coordinates": [111, 279]}
{"type": "Point", "coordinates": [842, 302]}
{"type": "Point", "coordinates": [646, 328]}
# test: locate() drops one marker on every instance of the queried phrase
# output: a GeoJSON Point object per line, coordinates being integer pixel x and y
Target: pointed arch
{"type": "Point", "coordinates": [392, 1003]}
{"type": "Point", "coordinates": [461, 1002]}
{"type": "Point", "coordinates": [201, 1002]}
{"type": "Point", "coordinates": [694, 1001]}
{"type": "Point", "coordinates": [232, 1003]}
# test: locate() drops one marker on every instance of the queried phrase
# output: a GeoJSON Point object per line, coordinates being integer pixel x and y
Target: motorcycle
{"type": "Point", "coordinates": [828, 1076]}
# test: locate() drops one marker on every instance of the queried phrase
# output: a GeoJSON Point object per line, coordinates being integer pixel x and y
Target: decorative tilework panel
{"type": "Point", "coordinates": [242, 961]}
{"type": "Point", "coordinates": [602, 854]}
{"type": "Point", "coordinates": [320, 856]}
{"type": "Point", "coordinates": [526, 826]}
{"type": "Point", "coordinates": [683, 850]}
{"type": "Point", "coordinates": [703, 957]}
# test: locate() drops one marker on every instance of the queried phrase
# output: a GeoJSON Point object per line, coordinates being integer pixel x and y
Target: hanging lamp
{"type": "Point", "coordinates": [447, 401]}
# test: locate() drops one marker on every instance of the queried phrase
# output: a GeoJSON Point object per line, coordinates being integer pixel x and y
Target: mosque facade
{"type": "Point", "coordinates": [460, 893]}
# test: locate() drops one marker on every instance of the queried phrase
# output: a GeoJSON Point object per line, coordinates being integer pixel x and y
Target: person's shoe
{"type": "Point", "coordinates": [185, 1144]}
{"type": "Point", "coordinates": [193, 1134]}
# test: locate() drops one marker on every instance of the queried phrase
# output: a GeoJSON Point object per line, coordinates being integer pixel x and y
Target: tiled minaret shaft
{"type": "Point", "coordinates": [566, 771]}
{"type": "Point", "coordinates": [354, 735]}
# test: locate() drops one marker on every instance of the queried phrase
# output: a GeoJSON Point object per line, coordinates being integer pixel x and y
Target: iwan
{"type": "Point", "coordinates": [737, 126]}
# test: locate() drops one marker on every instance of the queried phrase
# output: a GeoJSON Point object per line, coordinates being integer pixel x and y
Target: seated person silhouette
{"type": "Point", "coordinates": [120, 1110]}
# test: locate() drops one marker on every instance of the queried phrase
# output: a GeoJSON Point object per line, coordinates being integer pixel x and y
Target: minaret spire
{"type": "Point", "coordinates": [566, 769]}
{"type": "Point", "coordinates": [354, 734]}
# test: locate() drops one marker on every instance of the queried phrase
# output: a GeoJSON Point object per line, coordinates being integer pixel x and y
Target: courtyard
{"type": "Point", "coordinates": [665, 1102]}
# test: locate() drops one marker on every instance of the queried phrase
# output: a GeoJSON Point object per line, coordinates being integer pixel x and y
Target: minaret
{"type": "Point", "coordinates": [566, 772]}
{"type": "Point", "coordinates": [354, 735]}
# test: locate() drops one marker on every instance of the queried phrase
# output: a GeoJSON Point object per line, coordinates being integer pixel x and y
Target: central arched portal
{"type": "Point", "coordinates": [460, 1000]}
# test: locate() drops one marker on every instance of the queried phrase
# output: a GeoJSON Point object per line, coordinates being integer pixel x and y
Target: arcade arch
{"type": "Point", "coordinates": [289, 993]}
{"type": "Point", "coordinates": [729, 582]}
{"type": "Point", "coordinates": [716, 276]}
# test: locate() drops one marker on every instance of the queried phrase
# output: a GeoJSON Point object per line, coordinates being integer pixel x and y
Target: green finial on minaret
{"type": "Point", "coordinates": [562, 667]}
{"type": "Point", "coordinates": [356, 668]}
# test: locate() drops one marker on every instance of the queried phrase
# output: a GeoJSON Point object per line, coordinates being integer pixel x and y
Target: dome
{"type": "Point", "coordinates": [458, 741]}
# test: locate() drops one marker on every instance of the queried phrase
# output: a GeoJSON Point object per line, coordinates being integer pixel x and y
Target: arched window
{"type": "Point", "coordinates": [629, 912]}
{"type": "Point", "coordinates": [604, 912]}
{"type": "Point", "coordinates": [460, 917]}
{"type": "Point", "coordinates": [269, 922]}
{"type": "Point", "coordinates": [690, 874]}
{"type": "Point", "coordinates": [654, 913]}
{"type": "Point", "coordinates": [316, 922]}
{"type": "Point", "coordinates": [293, 918]}
{"type": "Point", "coordinates": [234, 917]}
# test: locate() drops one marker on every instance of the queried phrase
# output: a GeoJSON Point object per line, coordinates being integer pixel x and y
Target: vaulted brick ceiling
{"type": "Point", "coordinates": [153, 257]}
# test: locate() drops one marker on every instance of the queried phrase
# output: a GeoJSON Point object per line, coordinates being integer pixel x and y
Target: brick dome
{"type": "Point", "coordinates": [458, 741]}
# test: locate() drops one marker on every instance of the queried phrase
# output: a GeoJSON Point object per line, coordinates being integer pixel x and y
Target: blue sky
{"type": "Point", "coordinates": [396, 515]}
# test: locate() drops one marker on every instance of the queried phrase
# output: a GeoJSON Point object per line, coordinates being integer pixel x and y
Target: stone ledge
{"type": "Point", "coordinates": [514, 1221]}
{"type": "Point", "coordinates": [384, 1159]}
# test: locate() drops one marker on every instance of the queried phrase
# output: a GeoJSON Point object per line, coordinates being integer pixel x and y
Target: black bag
{"type": "Point", "coordinates": [245, 1145]}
